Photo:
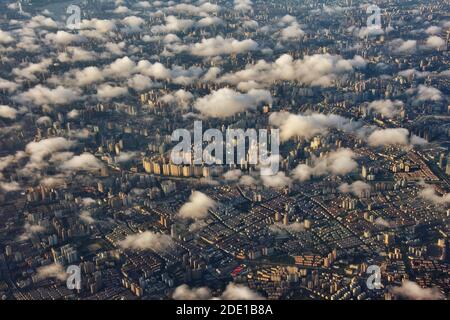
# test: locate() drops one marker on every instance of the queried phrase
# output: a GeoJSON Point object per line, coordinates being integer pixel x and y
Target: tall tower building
{"type": "Point", "coordinates": [364, 172]}
{"type": "Point", "coordinates": [447, 168]}
{"type": "Point", "coordinates": [277, 216]}
{"type": "Point", "coordinates": [388, 239]}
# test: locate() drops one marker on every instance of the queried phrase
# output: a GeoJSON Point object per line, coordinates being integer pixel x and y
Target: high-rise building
{"type": "Point", "coordinates": [8, 251]}
{"type": "Point", "coordinates": [388, 239]}
{"type": "Point", "coordinates": [277, 216]}
{"type": "Point", "coordinates": [441, 162]}
{"type": "Point", "coordinates": [307, 224]}
{"type": "Point", "coordinates": [364, 172]}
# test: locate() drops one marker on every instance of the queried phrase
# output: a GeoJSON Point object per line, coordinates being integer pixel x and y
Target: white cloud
{"type": "Point", "coordinates": [87, 201]}
{"type": "Point", "coordinates": [358, 188]}
{"type": "Point", "coordinates": [292, 32]}
{"type": "Point", "coordinates": [74, 54]}
{"type": "Point", "coordinates": [85, 161]}
{"type": "Point", "coordinates": [248, 180]}
{"type": "Point", "coordinates": [435, 42]}
{"type": "Point", "coordinates": [308, 126]}
{"type": "Point", "coordinates": [365, 32]}
{"type": "Point", "coordinates": [126, 157]}
{"type": "Point", "coordinates": [156, 70]}
{"type": "Point", "coordinates": [5, 37]}
{"type": "Point", "coordinates": [219, 46]}
{"type": "Point", "coordinates": [409, 72]}
{"type": "Point", "coordinates": [173, 24]}
{"type": "Point", "coordinates": [44, 120]}
{"type": "Point", "coordinates": [279, 180]}
{"type": "Point", "coordinates": [387, 108]}
{"type": "Point", "coordinates": [8, 85]}
{"type": "Point", "coordinates": [140, 82]}
{"type": "Point", "coordinates": [30, 230]}
{"type": "Point", "coordinates": [63, 38]}
{"type": "Point", "coordinates": [226, 102]}
{"type": "Point", "coordinates": [86, 217]}
{"type": "Point", "coordinates": [411, 290]}
{"type": "Point", "coordinates": [280, 228]}
{"type": "Point", "coordinates": [115, 48]}
{"type": "Point", "coordinates": [239, 292]}
{"type": "Point", "coordinates": [52, 271]}
{"type": "Point", "coordinates": [147, 240]}
{"type": "Point", "coordinates": [181, 98]}
{"type": "Point", "coordinates": [101, 26]}
{"type": "Point", "coordinates": [209, 21]}
{"type": "Point", "coordinates": [197, 225]}
{"type": "Point", "coordinates": [339, 162]}
{"type": "Point", "coordinates": [38, 150]}
{"type": "Point", "coordinates": [425, 93]}
{"type": "Point", "coordinates": [40, 95]}
{"type": "Point", "coordinates": [250, 24]}
{"type": "Point", "coordinates": [429, 193]}
{"type": "Point", "coordinates": [54, 181]}
{"type": "Point", "coordinates": [197, 207]}
{"type": "Point", "coordinates": [176, 74]}
{"type": "Point", "coordinates": [7, 112]}
{"type": "Point", "coordinates": [9, 186]}
{"type": "Point", "coordinates": [433, 30]}
{"type": "Point", "coordinates": [388, 137]}
{"type": "Point", "coordinates": [6, 161]}
{"type": "Point", "coordinates": [317, 70]}
{"type": "Point", "coordinates": [233, 175]}
{"type": "Point", "coordinates": [288, 19]}
{"type": "Point", "coordinates": [145, 4]}
{"type": "Point", "coordinates": [87, 76]}
{"type": "Point", "coordinates": [133, 22]}
{"type": "Point", "coordinates": [171, 38]}
{"type": "Point", "coordinates": [382, 222]}
{"type": "Point", "coordinates": [243, 5]}
{"type": "Point", "coordinates": [400, 46]}
{"type": "Point", "coordinates": [211, 74]}
{"type": "Point", "coordinates": [232, 292]}
{"type": "Point", "coordinates": [31, 69]}
{"type": "Point", "coordinates": [41, 21]}
{"type": "Point", "coordinates": [183, 292]}
{"type": "Point", "coordinates": [200, 10]}
{"type": "Point", "coordinates": [416, 140]}
{"type": "Point", "coordinates": [121, 10]}
{"type": "Point", "coordinates": [120, 68]}
{"type": "Point", "coordinates": [107, 92]}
